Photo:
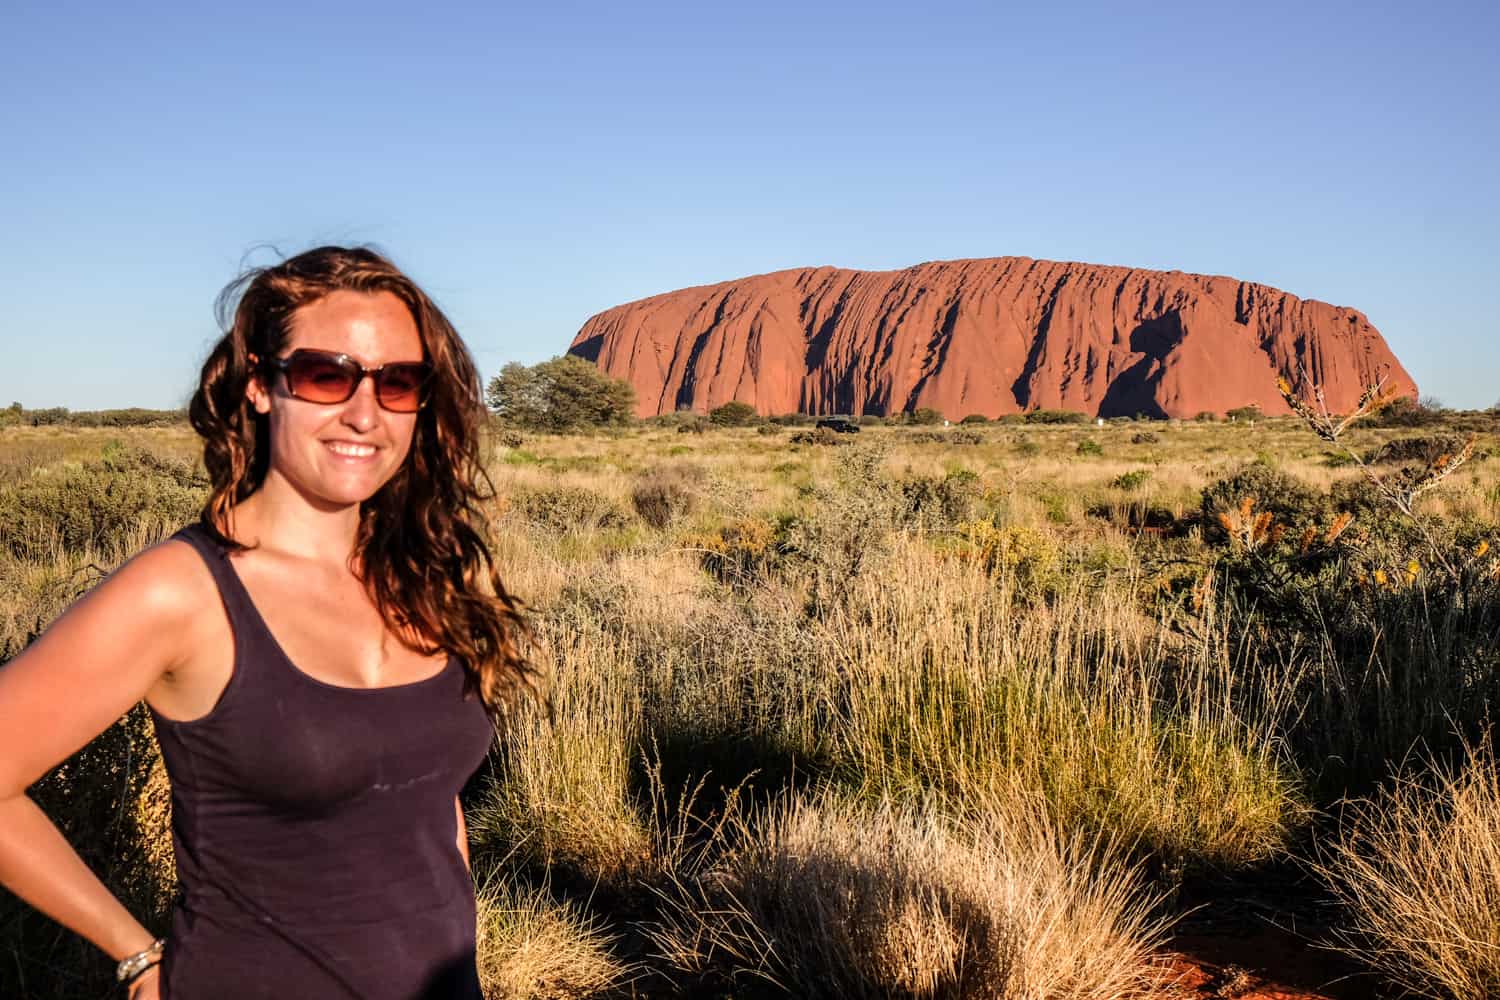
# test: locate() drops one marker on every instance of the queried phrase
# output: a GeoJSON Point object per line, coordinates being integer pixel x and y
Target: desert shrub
{"type": "Point", "coordinates": [567, 508]}
{"type": "Point", "coordinates": [1088, 446]}
{"type": "Point", "coordinates": [733, 414]}
{"type": "Point", "coordinates": [939, 502]}
{"type": "Point", "coordinates": [769, 428]}
{"type": "Point", "coordinates": [1144, 437]}
{"type": "Point", "coordinates": [1244, 414]}
{"type": "Point", "coordinates": [1415, 449]}
{"type": "Point", "coordinates": [1057, 506]}
{"type": "Point", "coordinates": [960, 436]}
{"type": "Point", "coordinates": [1029, 559]}
{"type": "Point", "coordinates": [694, 425]}
{"type": "Point", "coordinates": [131, 417]}
{"type": "Point", "coordinates": [562, 394]}
{"type": "Point", "coordinates": [851, 520]}
{"type": "Point", "coordinates": [821, 436]}
{"type": "Point", "coordinates": [975, 418]}
{"type": "Point", "coordinates": [1288, 500]}
{"type": "Point", "coordinates": [1055, 417]}
{"type": "Point", "coordinates": [99, 503]}
{"type": "Point", "coordinates": [1027, 448]}
{"type": "Point", "coordinates": [49, 417]}
{"type": "Point", "coordinates": [1415, 870]}
{"type": "Point", "coordinates": [742, 549]}
{"type": "Point", "coordinates": [1132, 480]}
{"type": "Point", "coordinates": [1206, 417]}
{"type": "Point", "coordinates": [924, 415]}
{"type": "Point", "coordinates": [831, 900]}
{"type": "Point", "coordinates": [1406, 412]}
{"type": "Point", "coordinates": [665, 494]}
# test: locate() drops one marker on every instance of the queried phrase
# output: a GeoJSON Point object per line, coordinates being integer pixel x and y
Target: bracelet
{"type": "Point", "coordinates": [131, 966]}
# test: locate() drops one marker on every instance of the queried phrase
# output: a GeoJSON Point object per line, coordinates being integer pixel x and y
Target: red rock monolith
{"type": "Point", "coordinates": [989, 336]}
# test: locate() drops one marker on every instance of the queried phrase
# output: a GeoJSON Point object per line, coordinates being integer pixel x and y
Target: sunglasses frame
{"type": "Point", "coordinates": [351, 365]}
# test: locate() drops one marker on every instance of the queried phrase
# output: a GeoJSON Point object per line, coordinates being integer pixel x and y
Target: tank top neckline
{"type": "Point", "coordinates": [258, 621]}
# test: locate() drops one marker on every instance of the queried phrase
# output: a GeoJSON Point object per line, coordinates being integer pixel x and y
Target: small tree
{"type": "Point", "coordinates": [565, 393]}
{"type": "Point", "coordinates": [735, 414]}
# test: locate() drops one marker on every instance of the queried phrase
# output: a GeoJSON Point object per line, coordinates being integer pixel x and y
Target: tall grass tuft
{"type": "Point", "coordinates": [1417, 867]}
{"type": "Point", "coordinates": [827, 898]}
{"type": "Point", "coordinates": [532, 947]}
{"type": "Point", "coordinates": [1123, 726]}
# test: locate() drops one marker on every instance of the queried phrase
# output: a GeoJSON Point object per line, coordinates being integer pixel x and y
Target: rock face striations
{"type": "Point", "coordinates": [990, 336]}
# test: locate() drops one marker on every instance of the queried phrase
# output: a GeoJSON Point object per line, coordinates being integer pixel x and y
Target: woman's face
{"type": "Point", "coordinates": [339, 454]}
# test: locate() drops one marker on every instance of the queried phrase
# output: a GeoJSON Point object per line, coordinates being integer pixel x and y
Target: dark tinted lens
{"type": "Point", "coordinates": [400, 386]}
{"type": "Point", "coordinates": [320, 378]}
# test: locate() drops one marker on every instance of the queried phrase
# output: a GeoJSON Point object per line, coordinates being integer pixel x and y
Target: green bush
{"type": "Point", "coordinates": [1132, 480]}
{"type": "Point", "coordinates": [735, 414]}
{"type": "Point", "coordinates": [1290, 501]}
{"type": "Point", "coordinates": [939, 502]}
{"type": "Point", "coordinates": [1055, 417]}
{"type": "Point", "coordinates": [100, 503]}
{"type": "Point", "coordinates": [564, 508]}
{"type": "Point", "coordinates": [564, 394]}
{"type": "Point", "coordinates": [1144, 437]}
{"type": "Point", "coordinates": [663, 495]}
{"type": "Point", "coordinates": [1245, 414]}
{"type": "Point", "coordinates": [975, 418]}
{"type": "Point", "coordinates": [1088, 446]}
{"type": "Point", "coordinates": [924, 415]}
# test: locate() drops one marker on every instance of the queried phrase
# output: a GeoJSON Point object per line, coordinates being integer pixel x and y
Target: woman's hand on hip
{"type": "Point", "coordinates": [148, 985]}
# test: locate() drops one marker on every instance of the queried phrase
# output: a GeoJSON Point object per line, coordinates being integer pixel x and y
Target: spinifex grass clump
{"type": "Point", "coordinates": [826, 898]}
{"type": "Point", "coordinates": [530, 946]}
{"type": "Point", "coordinates": [1417, 868]}
{"type": "Point", "coordinates": [1122, 727]}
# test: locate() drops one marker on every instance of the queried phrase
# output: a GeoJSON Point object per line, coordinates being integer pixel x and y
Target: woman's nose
{"type": "Point", "coordinates": [361, 409]}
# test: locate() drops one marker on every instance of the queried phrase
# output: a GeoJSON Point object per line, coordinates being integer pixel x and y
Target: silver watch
{"type": "Point", "coordinates": [132, 964]}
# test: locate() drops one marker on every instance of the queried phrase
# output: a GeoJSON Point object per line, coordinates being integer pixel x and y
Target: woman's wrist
{"type": "Point", "coordinates": [139, 983]}
{"type": "Point", "coordinates": [133, 966]}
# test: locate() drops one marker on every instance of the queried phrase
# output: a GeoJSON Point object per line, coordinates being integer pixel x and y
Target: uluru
{"type": "Point", "coordinates": [989, 336]}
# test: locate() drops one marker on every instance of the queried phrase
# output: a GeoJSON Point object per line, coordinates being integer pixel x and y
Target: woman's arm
{"type": "Point", "coordinates": [86, 671]}
{"type": "Point", "coordinates": [463, 833]}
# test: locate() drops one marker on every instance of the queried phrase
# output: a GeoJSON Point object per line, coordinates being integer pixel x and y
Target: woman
{"type": "Point", "coordinates": [324, 656]}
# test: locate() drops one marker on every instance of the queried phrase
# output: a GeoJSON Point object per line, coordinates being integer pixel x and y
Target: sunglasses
{"type": "Point", "coordinates": [326, 377]}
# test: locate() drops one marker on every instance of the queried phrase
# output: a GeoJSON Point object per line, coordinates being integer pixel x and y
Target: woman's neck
{"type": "Point", "coordinates": [279, 517]}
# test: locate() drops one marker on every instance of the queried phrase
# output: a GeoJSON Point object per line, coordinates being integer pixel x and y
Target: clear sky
{"type": "Point", "coordinates": [534, 164]}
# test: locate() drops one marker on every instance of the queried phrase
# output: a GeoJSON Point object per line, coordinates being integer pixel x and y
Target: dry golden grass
{"type": "Point", "coordinates": [995, 710]}
{"type": "Point", "coordinates": [1418, 870]}
{"type": "Point", "coordinates": [532, 947]}
{"type": "Point", "coordinates": [828, 898]}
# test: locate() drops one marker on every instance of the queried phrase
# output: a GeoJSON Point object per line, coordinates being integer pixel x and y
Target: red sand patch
{"type": "Point", "coordinates": [1265, 964]}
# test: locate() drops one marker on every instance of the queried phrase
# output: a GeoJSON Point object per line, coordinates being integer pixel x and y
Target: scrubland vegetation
{"type": "Point", "coordinates": [922, 711]}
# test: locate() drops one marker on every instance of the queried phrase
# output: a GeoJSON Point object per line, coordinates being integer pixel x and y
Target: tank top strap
{"type": "Point", "coordinates": [237, 603]}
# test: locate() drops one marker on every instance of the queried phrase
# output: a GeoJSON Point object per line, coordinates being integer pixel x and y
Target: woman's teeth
{"type": "Point", "coordinates": [351, 450]}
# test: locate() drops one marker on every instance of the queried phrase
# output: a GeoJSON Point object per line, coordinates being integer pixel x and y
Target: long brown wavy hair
{"type": "Point", "coordinates": [420, 545]}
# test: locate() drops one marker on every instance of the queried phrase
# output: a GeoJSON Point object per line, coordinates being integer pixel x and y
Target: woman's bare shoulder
{"type": "Point", "coordinates": [168, 582]}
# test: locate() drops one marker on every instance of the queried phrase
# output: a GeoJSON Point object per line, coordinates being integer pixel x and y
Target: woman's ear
{"type": "Point", "coordinates": [255, 389]}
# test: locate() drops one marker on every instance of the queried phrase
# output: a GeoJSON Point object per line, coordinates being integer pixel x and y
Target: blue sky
{"type": "Point", "coordinates": [532, 167]}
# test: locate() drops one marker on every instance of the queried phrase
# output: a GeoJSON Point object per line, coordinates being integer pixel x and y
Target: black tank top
{"type": "Point", "coordinates": [314, 829]}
